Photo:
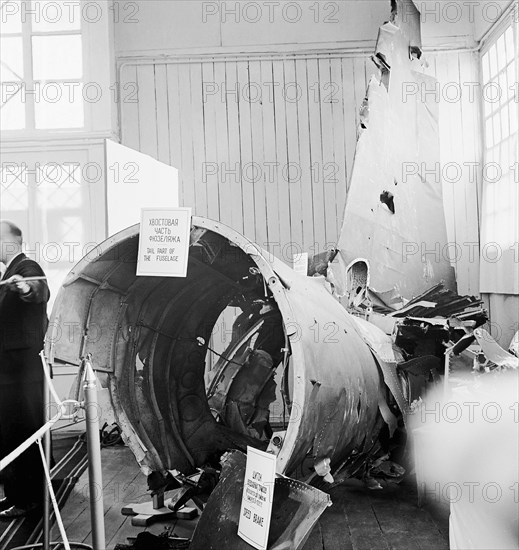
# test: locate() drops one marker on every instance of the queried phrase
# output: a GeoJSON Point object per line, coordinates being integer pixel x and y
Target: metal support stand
{"type": "Point", "coordinates": [446, 363]}
{"type": "Point", "coordinates": [47, 451]}
{"type": "Point", "coordinates": [95, 478]}
{"type": "Point", "coordinates": [94, 466]}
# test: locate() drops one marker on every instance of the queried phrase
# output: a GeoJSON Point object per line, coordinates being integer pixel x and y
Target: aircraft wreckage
{"type": "Point", "coordinates": [340, 395]}
{"type": "Point", "coordinates": [320, 370]}
{"type": "Point", "coordinates": [151, 336]}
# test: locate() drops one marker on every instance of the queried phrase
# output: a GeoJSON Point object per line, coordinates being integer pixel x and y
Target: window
{"type": "Point", "coordinates": [51, 196]}
{"type": "Point", "coordinates": [500, 207]}
{"type": "Point", "coordinates": [41, 72]}
{"type": "Point", "coordinates": [500, 101]}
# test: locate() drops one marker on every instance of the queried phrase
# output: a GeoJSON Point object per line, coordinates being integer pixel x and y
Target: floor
{"type": "Point", "coordinates": [359, 519]}
{"type": "Point", "coordinates": [362, 519]}
{"type": "Point", "coordinates": [123, 483]}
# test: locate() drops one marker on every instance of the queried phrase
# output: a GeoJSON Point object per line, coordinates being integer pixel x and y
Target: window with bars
{"type": "Point", "coordinates": [500, 97]}
{"type": "Point", "coordinates": [500, 207]}
{"type": "Point", "coordinates": [45, 188]}
{"type": "Point", "coordinates": [41, 72]}
{"type": "Point", "coordinates": [48, 198]}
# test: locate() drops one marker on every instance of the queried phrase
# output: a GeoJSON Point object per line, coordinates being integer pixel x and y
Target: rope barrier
{"type": "Point", "coordinates": [4, 462]}
{"type": "Point", "coordinates": [13, 455]}
{"type": "Point", "coordinates": [53, 544]}
{"type": "Point", "coordinates": [46, 372]}
{"type": "Point", "coordinates": [59, 520]}
{"type": "Point", "coordinates": [36, 438]}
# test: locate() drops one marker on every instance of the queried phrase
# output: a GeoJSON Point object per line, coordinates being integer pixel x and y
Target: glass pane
{"type": "Point", "coordinates": [509, 39]}
{"type": "Point", "coordinates": [11, 19]}
{"type": "Point", "coordinates": [492, 94]}
{"type": "Point", "coordinates": [489, 134]}
{"type": "Point", "coordinates": [501, 53]}
{"type": "Point", "coordinates": [58, 177]}
{"type": "Point", "coordinates": [513, 87]}
{"type": "Point", "coordinates": [492, 52]}
{"type": "Point", "coordinates": [11, 54]}
{"type": "Point", "coordinates": [56, 197]}
{"type": "Point", "coordinates": [504, 226]}
{"type": "Point", "coordinates": [13, 188]}
{"type": "Point", "coordinates": [493, 171]}
{"type": "Point", "coordinates": [14, 204]}
{"type": "Point", "coordinates": [497, 128]}
{"type": "Point", "coordinates": [12, 109]}
{"type": "Point", "coordinates": [504, 155]}
{"type": "Point", "coordinates": [487, 107]}
{"type": "Point", "coordinates": [485, 65]}
{"type": "Point", "coordinates": [490, 201]}
{"type": "Point", "coordinates": [513, 149]}
{"type": "Point", "coordinates": [505, 92]}
{"type": "Point", "coordinates": [490, 154]}
{"type": "Point", "coordinates": [61, 106]}
{"type": "Point", "coordinates": [513, 117]}
{"type": "Point", "coordinates": [59, 196]}
{"type": "Point", "coordinates": [57, 57]}
{"type": "Point", "coordinates": [62, 231]}
{"type": "Point", "coordinates": [505, 129]}
{"type": "Point", "coordinates": [56, 15]}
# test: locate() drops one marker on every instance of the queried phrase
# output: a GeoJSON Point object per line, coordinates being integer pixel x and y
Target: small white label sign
{"type": "Point", "coordinates": [164, 242]}
{"type": "Point", "coordinates": [258, 492]}
{"type": "Point", "coordinates": [300, 263]}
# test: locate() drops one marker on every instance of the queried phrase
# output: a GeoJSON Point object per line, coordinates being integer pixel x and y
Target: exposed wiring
{"type": "Point", "coordinates": [166, 335]}
{"type": "Point", "coordinates": [179, 339]}
{"type": "Point", "coordinates": [223, 357]}
{"type": "Point", "coordinates": [54, 545]}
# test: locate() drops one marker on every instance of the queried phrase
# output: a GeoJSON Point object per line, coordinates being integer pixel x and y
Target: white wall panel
{"type": "Point", "coordinates": [266, 145]}
{"type": "Point", "coordinates": [461, 167]}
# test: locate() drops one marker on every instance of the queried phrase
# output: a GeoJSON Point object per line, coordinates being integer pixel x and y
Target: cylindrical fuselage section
{"type": "Point", "coordinates": [150, 336]}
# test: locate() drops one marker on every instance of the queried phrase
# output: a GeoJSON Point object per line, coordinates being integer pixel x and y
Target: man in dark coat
{"type": "Point", "coordinates": [23, 322]}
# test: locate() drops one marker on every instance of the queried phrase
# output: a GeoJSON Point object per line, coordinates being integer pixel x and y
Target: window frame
{"type": "Point", "coordinates": [29, 81]}
{"type": "Point", "coordinates": [499, 213]}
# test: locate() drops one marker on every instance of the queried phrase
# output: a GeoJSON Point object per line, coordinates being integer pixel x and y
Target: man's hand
{"type": "Point", "coordinates": [16, 284]}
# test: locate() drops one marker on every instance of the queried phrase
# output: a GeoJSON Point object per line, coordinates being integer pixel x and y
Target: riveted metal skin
{"type": "Point", "coordinates": [149, 336]}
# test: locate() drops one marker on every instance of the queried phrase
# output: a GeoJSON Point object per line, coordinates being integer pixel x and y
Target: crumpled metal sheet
{"type": "Point", "coordinates": [513, 348]}
{"type": "Point", "coordinates": [295, 510]}
{"type": "Point", "coordinates": [397, 146]}
{"type": "Point", "coordinates": [381, 345]}
{"type": "Point", "coordinates": [494, 352]}
{"type": "Point", "coordinates": [154, 343]}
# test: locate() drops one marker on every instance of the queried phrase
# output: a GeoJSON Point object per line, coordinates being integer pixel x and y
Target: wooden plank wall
{"type": "Point", "coordinates": [266, 145]}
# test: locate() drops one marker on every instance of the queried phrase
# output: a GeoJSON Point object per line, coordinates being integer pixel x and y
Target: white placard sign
{"type": "Point", "coordinates": [300, 263]}
{"type": "Point", "coordinates": [164, 242]}
{"type": "Point", "coordinates": [258, 492]}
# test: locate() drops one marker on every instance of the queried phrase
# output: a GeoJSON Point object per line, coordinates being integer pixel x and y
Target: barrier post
{"type": "Point", "coordinates": [446, 369]}
{"type": "Point", "coordinates": [95, 478]}
{"type": "Point", "coordinates": [47, 451]}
